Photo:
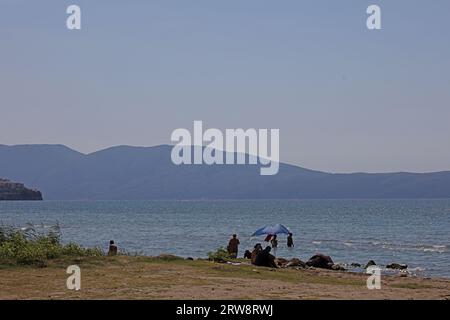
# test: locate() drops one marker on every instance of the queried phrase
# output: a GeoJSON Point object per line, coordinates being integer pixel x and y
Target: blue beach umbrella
{"type": "Point", "coordinates": [276, 229]}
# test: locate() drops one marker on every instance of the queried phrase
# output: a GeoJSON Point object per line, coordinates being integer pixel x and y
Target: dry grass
{"type": "Point", "coordinates": [125, 277]}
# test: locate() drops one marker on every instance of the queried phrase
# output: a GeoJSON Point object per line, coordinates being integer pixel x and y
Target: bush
{"type": "Point", "coordinates": [31, 247]}
{"type": "Point", "coordinates": [220, 254]}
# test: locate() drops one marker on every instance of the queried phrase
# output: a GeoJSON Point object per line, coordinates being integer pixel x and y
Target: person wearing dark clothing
{"type": "Point", "coordinates": [265, 259]}
{"type": "Point", "coordinates": [290, 241]}
{"type": "Point", "coordinates": [112, 249]}
{"type": "Point", "coordinates": [257, 249]}
{"type": "Point", "coordinates": [274, 241]}
{"type": "Point", "coordinates": [233, 246]}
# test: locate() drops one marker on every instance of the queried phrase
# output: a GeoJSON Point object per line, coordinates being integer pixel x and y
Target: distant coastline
{"type": "Point", "coordinates": [14, 191]}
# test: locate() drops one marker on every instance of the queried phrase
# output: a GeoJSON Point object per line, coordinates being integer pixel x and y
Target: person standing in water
{"type": "Point", "coordinates": [290, 241]}
{"type": "Point", "coordinates": [274, 241]}
{"type": "Point", "coordinates": [233, 247]}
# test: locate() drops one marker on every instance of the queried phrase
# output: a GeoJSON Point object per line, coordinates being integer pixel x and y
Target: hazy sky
{"type": "Point", "coordinates": [344, 98]}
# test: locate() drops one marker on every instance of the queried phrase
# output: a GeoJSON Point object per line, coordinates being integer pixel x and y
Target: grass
{"type": "Point", "coordinates": [246, 271]}
{"type": "Point", "coordinates": [30, 246]}
{"type": "Point", "coordinates": [412, 286]}
{"type": "Point", "coordinates": [170, 277]}
{"type": "Point", "coordinates": [22, 251]}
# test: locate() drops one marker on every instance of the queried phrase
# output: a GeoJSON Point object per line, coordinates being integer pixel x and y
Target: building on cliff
{"type": "Point", "coordinates": [10, 190]}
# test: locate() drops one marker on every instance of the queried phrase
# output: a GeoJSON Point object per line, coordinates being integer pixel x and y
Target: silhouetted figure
{"type": "Point", "coordinates": [257, 249]}
{"type": "Point", "coordinates": [247, 254]}
{"type": "Point", "coordinates": [265, 259]}
{"type": "Point", "coordinates": [274, 241]}
{"type": "Point", "coordinates": [112, 248]}
{"type": "Point", "coordinates": [233, 247]}
{"type": "Point", "coordinates": [290, 241]}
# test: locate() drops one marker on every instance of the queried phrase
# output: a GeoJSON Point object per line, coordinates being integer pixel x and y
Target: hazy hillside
{"type": "Point", "coordinates": [148, 173]}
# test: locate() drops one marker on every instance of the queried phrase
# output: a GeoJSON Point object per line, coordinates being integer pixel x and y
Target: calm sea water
{"type": "Point", "coordinates": [415, 232]}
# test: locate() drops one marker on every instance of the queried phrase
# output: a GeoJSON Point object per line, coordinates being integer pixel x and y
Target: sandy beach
{"type": "Point", "coordinates": [127, 277]}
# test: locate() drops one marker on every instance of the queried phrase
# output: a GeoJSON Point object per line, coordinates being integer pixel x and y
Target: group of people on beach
{"type": "Point", "coordinates": [259, 256]}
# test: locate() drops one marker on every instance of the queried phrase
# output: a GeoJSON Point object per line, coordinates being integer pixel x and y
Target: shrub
{"type": "Point", "coordinates": [28, 246]}
{"type": "Point", "coordinates": [220, 254]}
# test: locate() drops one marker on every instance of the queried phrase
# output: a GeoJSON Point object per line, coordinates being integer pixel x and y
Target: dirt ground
{"type": "Point", "coordinates": [126, 277]}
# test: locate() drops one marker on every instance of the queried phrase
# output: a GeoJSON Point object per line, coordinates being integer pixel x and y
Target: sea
{"type": "Point", "coordinates": [412, 232]}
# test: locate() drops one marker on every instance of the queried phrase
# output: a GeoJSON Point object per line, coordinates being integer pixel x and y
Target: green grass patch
{"type": "Point", "coordinates": [29, 246]}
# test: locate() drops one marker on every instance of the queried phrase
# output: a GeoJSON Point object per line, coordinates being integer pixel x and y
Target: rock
{"type": "Point", "coordinates": [370, 263]}
{"type": "Point", "coordinates": [397, 266]}
{"type": "Point", "coordinates": [281, 262]}
{"type": "Point", "coordinates": [219, 260]}
{"type": "Point", "coordinates": [296, 263]}
{"type": "Point", "coordinates": [16, 191]}
{"type": "Point", "coordinates": [190, 258]}
{"type": "Point", "coordinates": [356, 265]}
{"type": "Point", "coordinates": [168, 257]}
{"type": "Point", "coordinates": [338, 267]}
{"type": "Point", "coordinates": [320, 261]}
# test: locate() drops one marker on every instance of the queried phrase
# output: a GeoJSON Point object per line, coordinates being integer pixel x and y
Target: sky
{"type": "Point", "coordinates": [345, 98]}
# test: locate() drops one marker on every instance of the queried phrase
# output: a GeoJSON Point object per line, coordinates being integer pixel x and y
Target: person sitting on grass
{"type": "Point", "coordinates": [233, 246]}
{"type": "Point", "coordinates": [265, 259]}
{"type": "Point", "coordinates": [257, 249]}
{"type": "Point", "coordinates": [112, 249]}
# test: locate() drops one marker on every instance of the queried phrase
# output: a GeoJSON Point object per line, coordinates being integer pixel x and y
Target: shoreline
{"type": "Point", "coordinates": [170, 277]}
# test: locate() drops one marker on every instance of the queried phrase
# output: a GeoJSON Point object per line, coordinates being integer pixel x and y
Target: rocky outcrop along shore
{"type": "Point", "coordinates": [17, 191]}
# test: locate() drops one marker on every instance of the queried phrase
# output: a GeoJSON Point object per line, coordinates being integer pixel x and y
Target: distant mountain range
{"type": "Point", "coordinates": [135, 173]}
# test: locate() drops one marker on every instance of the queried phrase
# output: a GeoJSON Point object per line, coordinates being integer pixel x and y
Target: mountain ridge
{"type": "Point", "coordinates": [136, 173]}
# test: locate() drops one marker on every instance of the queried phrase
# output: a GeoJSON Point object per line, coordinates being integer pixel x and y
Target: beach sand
{"type": "Point", "coordinates": [126, 277]}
